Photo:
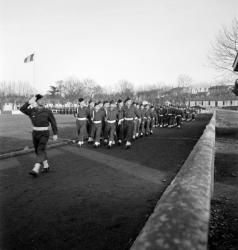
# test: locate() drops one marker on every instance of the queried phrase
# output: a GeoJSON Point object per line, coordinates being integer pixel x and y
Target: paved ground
{"type": "Point", "coordinates": [92, 199]}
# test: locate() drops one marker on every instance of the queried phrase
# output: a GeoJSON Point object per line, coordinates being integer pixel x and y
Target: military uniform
{"type": "Point", "coordinates": [81, 123]}
{"type": "Point", "coordinates": [97, 118]}
{"type": "Point", "coordinates": [147, 118]}
{"type": "Point", "coordinates": [178, 117]}
{"type": "Point", "coordinates": [142, 124]}
{"type": "Point", "coordinates": [129, 114]}
{"type": "Point", "coordinates": [160, 117]}
{"type": "Point", "coordinates": [120, 124]}
{"type": "Point", "coordinates": [111, 118]}
{"type": "Point", "coordinates": [41, 118]}
{"type": "Point", "coordinates": [153, 116]}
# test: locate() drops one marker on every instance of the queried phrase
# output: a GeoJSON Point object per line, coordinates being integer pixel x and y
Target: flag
{"type": "Point", "coordinates": [30, 58]}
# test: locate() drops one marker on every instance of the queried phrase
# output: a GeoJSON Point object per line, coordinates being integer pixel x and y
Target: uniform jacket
{"type": "Point", "coordinates": [40, 117]}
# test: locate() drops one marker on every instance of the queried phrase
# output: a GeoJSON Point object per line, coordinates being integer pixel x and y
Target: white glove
{"type": "Point", "coordinates": [55, 137]}
{"type": "Point", "coordinates": [32, 100]}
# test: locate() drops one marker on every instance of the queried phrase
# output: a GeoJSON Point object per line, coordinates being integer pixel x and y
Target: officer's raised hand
{"type": "Point", "coordinates": [32, 100]}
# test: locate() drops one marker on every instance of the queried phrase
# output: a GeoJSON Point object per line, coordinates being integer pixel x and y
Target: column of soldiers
{"type": "Point", "coordinates": [111, 122]}
{"type": "Point", "coordinates": [121, 122]}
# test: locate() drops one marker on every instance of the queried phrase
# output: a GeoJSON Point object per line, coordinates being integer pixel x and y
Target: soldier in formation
{"type": "Point", "coordinates": [122, 122]}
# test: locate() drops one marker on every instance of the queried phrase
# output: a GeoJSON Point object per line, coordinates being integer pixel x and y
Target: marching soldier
{"type": "Point", "coordinates": [104, 110]}
{"type": "Point", "coordinates": [129, 114]}
{"type": "Point", "coordinates": [120, 124]}
{"type": "Point", "coordinates": [178, 117]}
{"type": "Point", "coordinates": [40, 118]}
{"type": "Point", "coordinates": [90, 124]}
{"type": "Point", "coordinates": [81, 121]}
{"type": "Point", "coordinates": [160, 117]}
{"type": "Point", "coordinates": [97, 118]}
{"type": "Point", "coordinates": [142, 124]}
{"type": "Point", "coordinates": [153, 116]}
{"type": "Point", "coordinates": [111, 118]}
{"type": "Point", "coordinates": [136, 119]}
{"type": "Point", "coordinates": [147, 118]}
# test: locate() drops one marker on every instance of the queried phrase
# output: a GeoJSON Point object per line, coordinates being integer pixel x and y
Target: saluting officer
{"type": "Point", "coordinates": [40, 118]}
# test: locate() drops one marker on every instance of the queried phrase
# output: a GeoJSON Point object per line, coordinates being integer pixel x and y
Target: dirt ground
{"type": "Point", "coordinates": [91, 199]}
{"type": "Point", "coordinates": [224, 209]}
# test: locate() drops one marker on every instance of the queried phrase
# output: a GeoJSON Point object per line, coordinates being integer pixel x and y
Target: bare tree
{"type": "Point", "coordinates": [184, 80]}
{"type": "Point", "coordinates": [224, 49]}
{"type": "Point", "coordinates": [126, 88]}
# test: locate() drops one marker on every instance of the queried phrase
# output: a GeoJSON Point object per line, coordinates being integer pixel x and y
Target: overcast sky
{"type": "Point", "coordinates": [143, 41]}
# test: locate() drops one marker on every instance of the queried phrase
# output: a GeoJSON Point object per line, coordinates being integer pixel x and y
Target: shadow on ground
{"type": "Point", "coordinates": [87, 203]}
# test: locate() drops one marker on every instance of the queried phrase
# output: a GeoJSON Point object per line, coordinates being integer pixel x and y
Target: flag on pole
{"type": "Point", "coordinates": [30, 58]}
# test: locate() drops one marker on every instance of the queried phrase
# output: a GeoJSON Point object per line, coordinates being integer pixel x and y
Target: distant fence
{"type": "Point", "coordinates": [180, 220]}
{"type": "Point", "coordinates": [64, 111]}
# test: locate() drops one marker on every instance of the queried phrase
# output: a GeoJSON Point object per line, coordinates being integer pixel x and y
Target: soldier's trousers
{"type": "Point", "coordinates": [89, 127]}
{"type": "Point", "coordinates": [161, 120]}
{"type": "Point", "coordinates": [40, 139]}
{"type": "Point", "coordinates": [110, 130]}
{"type": "Point", "coordinates": [152, 123]}
{"type": "Point", "coordinates": [178, 120]}
{"type": "Point", "coordinates": [96, 131]}
{"type": "Point", "coordinates": [81, 129]}
{"type": "Point", "coordinates": [170, 119]}
{"type": "Point", "coordinates": [135, 127]}
{"type": "Point", "coordinates": [142, 126]}
{"type": "Point", "coordinates": [147, 125]}
{"type": "Point", "coordinates": [128, 130]}
{"type": "Point", "coordinates": [120, 131]}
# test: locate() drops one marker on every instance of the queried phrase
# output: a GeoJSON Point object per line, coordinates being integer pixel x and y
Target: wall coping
{"type": "Point", "coordinates": [180, 220]}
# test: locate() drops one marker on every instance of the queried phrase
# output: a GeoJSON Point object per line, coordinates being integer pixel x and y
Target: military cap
{"type": "Point", "coordinates": [128, 99]}
{"type": "Point", "coordinates": [112, 102]}
{"type": "Point", "coordinates": [97, 103]}
{"type": "Point", "coordinates": [81, 99]}
{"type": "Point", "coordinates": [119, 101]}
{"type": "Point", "coordinates": [105, 102]}
{"type": "Point", "coordinates": [38, 96]}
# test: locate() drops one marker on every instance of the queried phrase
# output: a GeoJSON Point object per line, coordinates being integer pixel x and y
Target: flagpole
{"type": "Point", "coordinates": [34, 70]}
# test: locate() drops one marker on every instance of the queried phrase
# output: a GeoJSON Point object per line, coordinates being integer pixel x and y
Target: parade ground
{"type": "Point", "coordinates": [91, 198]}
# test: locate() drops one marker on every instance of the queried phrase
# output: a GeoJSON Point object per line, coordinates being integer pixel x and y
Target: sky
{"type": "Point", "coordinates": [142, 41]}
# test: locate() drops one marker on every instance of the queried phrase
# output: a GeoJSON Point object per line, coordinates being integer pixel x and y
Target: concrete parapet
{"type": "Point", "coordinates": [180, 220]}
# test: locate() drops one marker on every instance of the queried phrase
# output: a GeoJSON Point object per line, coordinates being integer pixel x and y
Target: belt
{"type": "Point", "coordinates": [129, 119]}
{"type": "Point", "coordinates": [82, 119]}
{"type": "Point", "coordinates": [179, 115]}
{"type": "Point", "coordinates": [97, 122]}
{"type": "Point", "coordinates": [112, 121]}
{"type": "Point", "coordinates": [161, 115]}
{"type": "Point", "coordinates": [40, 128]}
{"type": "Point", "coordinates": [145, 118]}
{"type": "Point", "coordinates": [121, 120]}
{"type": "Point", "coordinates": [169, 114]}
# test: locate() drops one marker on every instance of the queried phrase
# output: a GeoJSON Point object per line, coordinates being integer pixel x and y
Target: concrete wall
{"type": "Point", "coordinates": [181, 217]}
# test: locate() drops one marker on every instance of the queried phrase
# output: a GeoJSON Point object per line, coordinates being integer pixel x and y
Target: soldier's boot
{"type": "Point", "coordinates": [46, 167]}
{"type": "Point", "coordinates": [109, 145]}
{"type": "Point", "coordinates": [128, 145]}
{"type": "Point", "coordinates": [90, 140]}
{"type": "Point", "coordinates": [36, 170]}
